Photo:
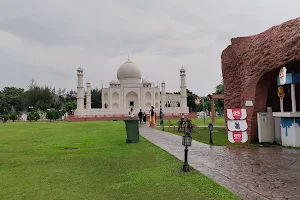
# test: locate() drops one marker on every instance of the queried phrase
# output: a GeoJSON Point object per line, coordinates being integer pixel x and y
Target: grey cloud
{"type": "Point", "coordinates": [47, 40]}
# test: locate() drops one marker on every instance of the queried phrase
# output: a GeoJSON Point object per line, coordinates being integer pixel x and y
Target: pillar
{"type": "Point", "coordinates": [293, 97]}
{"type": "Point", "coordinates": [281, 105]}
{"type": "Point", "coordinates": [88, 96]}
{"type": "Point", "coordinates": [80, 89]}
{"type": "Point", "coordinates": [183, 88]}
{"type": "Point", "coordinates": [163, 94]}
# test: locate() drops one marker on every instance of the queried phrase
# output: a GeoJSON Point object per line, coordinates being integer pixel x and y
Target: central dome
{"type": "Point", "coordinates": [129, 70]}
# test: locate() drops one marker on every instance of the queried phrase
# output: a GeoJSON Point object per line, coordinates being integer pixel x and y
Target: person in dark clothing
{"type": "Point", "coordinates": [145, 117]}
{"type": "Point", "coordinates": [161, 117]}
{"type": "Point", "coordinates": [140, 115]}
{"type": "Point", "coordinates": [152, 117]}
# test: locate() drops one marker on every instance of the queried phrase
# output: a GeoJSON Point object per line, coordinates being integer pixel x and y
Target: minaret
{"type": "Point", "coordinates": [183, 88]}
{"type": "Point", "coordinates": [80, 89]}
{"type": "Point", "coordinates": [163, 94]}
{"type": "Point", "coordinates": [88, 96]}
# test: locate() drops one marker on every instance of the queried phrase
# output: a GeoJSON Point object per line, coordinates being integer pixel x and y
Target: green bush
{"type": "Point", "coordinates": [5, 118]}
{"type": "Point", "coordinates": [51, 115]}
{"type": "Point", "coordinates": [13, 117]}
{"type": "Point", "coordinates": [37, 116]}
{"type": "Point", "coordinates": [33, 116]}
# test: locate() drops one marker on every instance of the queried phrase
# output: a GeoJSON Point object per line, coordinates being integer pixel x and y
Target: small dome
{"type": "Point", "coordinates": [129, 70]}
{"type": "Point", "coordinates": [145, 81]}
{"type": "Point", "coordinates": [182, 69]}
{"type": "Point", "coordinates": [88, 83]}
{"type": "Point", "coordinates": [163, 82]}
{"type": "Point", "coordinates": [80, 69]}
{"type": "Point", "coordinates": [114, 82]}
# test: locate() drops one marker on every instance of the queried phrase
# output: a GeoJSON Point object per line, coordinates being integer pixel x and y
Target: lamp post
{"type": "Point", "coordinates": [186, 141]}
{"type": "Point", "coordinates": [210, 128]}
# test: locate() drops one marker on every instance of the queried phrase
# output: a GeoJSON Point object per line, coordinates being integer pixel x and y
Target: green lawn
{"type": "Point", "coordinates": [219, 121]}
{"type": "Point", "coordinates": [38, 161]}
{"type": "Point", "coordinates": [202, 135]}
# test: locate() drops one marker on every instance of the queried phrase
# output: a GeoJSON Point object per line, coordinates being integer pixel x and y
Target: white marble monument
{"type": "Point", "coordinates": [131, 91]}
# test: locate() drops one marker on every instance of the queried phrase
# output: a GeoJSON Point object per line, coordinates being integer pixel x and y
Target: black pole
{"type": "Point", "coordinates": [210, 138]}
{"type": "Point", "coordinates": [186, 167]}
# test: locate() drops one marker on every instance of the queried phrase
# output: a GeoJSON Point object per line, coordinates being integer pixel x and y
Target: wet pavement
{"type": "Point", "coordinates": [255, 173]}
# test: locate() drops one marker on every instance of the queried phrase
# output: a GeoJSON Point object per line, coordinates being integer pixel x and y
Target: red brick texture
{"type": "Point", "coordinates": [248, 59]}
{"type": "Point", "coordinates": [72, 118]}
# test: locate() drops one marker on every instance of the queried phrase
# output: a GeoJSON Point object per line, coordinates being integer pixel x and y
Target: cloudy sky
{"type": "Point", "coordinates": [49, 39]}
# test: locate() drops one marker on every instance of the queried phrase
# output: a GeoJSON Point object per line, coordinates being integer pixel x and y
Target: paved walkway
{"type": "Point", "coordinates": [257, 173]}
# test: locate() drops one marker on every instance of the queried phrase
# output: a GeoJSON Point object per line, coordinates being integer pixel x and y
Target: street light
{"type": "Point", "coordinates": [186, 141]}
{"type": "Point", "coordinates": [210, 128]}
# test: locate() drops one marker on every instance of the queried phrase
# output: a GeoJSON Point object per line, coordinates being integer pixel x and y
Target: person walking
{"type": "Point", "coordinates": [141, 116]}
{"type": "Point", "coordinates": [131, 113]}
{"type": "Point", "coordinates": [152, 120]}
{"type": "Point", "coordinates": [145, 118]}
{"type": "Point", "coordinates": [161, 117]}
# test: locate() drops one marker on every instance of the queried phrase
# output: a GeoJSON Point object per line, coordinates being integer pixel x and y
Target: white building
{"type": "Point", "coordinates": [131, 91]}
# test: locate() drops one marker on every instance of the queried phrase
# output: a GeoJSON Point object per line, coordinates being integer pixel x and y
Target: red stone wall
{"type": "Point", "coordinates": [247, 59]}
{"type": "Point", "coordinates": [73, 118]}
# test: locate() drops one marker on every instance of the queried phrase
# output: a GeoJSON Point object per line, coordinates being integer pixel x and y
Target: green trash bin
{"type": "Point", "coordinates": [132, 130]}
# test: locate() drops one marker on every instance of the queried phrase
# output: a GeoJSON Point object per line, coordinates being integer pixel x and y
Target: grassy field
{"type": "Point", "coordinates": [219, 121]}
{"type": "Point", "coordinates": [202, 135]}
{"type": "Point", "coordinates": [90, 160]}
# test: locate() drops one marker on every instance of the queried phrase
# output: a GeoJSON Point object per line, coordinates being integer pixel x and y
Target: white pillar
{"type": "Point", "coordinates": [80, 89]}
{"type": "Point", "coordinates": [293, 97]}
{"type": "Point", "coordinates": [88, 96]}
{"type": "Point", "coordinates": [163, 94]}
{"type": "Point", "coordinates": [183, 88]}
{"type": "Point", "coordinates": [281, 105]}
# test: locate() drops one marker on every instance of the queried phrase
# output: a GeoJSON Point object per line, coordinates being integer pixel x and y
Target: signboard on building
{"type": "Point", "coordinates": [237, 136]}
{"type": "Point", "coordinates": [237, 125]}
{"type": "Point", "coordinates": [236, 113]}
{"type": "Point", "coordinates": [282, 76]}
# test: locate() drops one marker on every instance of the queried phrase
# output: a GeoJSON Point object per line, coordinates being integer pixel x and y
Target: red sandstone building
{"type": "Point", "coordinates": [250, 67]}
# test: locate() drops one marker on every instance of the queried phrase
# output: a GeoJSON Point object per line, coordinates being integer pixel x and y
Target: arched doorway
{"type": "Point", "coordinates": [132, 100]}
{"type": "Point", "coordinates": [105, 96]}
{"type": "Point", "coordinates": [156, 96]}
{"type": "Point", "coordinates": [148, 105]}
{"type": "Point", "coordinates": [115, 106]}
{"type": "Point", "coordinates": [115, 96]}
{"type": "Point", "coordinates": [148, 96]}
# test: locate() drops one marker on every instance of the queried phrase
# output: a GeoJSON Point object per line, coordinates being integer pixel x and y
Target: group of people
{"type": "Point", "coordinates": [143, 116]}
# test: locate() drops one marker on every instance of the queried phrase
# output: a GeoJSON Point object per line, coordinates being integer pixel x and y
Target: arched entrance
{"type": "Point", "coordinates": [250, 66]}
{"type": "Point", "coordinates": [115, 106]}
{"type": "Point", "coordinates": [132, 100]}
{"type": "Point", "coordinates": [148, 96]}
{"type": "Point", "coordinates": [266, 90]}
{"type": "Point", "coordinates": [148, 105]}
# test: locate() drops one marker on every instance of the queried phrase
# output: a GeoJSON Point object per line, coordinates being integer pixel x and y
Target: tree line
{"type": "Point", "coordinates": [40, 99]}
{"type": "Point", "coordinates": [55, 102]}
{"type": "Point", "coordinates": [219, 103]}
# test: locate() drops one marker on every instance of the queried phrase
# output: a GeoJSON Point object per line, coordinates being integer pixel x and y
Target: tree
{"type": "Point", "coordinates": [219, 89]}
{"type": "Point", "coordinates": [70, 105]}
{"type": "Point", "coordinates": [191, 97]}
{"type": "Point", "coordinates": [13, 117]}
{"type": "Point", "coordinates": [5, 118]}
{"type": "Point", "coordinates": [219, 103]}
{"type": "Point", "coordinates": [13, 99]}
{"type": "Point", "coordinates": [41, 98]}
{"type": "Point", "coordinates": [96, 98]}
{"type": "Point", "coordinates": [4, 106]}
{"type": "Point", "coordinates": [71, 96]}
{"type": "Point", "coordinates": [51, 114]}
